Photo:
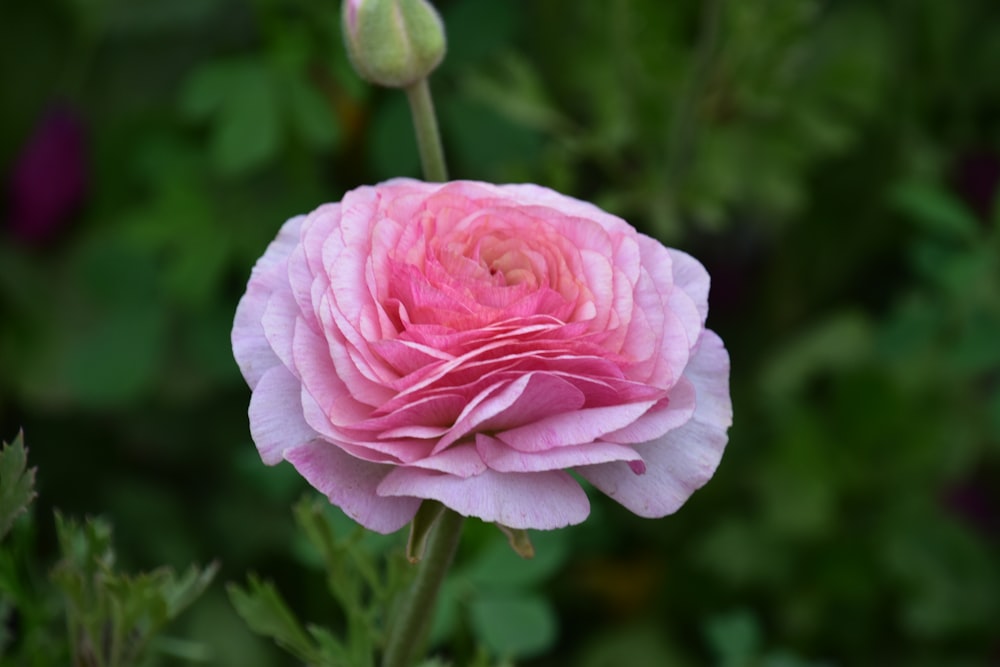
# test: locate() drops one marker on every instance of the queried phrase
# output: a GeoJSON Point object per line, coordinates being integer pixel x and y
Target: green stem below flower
{"type": "Point", "coordinates": [416, 610]}
{"type": "Point", "coordinates": [428, 136]}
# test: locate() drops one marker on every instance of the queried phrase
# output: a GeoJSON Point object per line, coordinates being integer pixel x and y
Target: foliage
{"type": "Point", "coordinates": [361, 576]}
{"type": "Point", "coordinates": [17, 483]}
{"type": "Point", "coordinates": [111, 618]}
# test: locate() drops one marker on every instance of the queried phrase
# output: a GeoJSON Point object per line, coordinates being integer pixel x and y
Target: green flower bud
{"type": "Point", "coordinates": [393, 43]}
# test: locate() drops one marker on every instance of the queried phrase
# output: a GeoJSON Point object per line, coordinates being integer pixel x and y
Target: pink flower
{"type": "Point", "coordinates": [471, 343]}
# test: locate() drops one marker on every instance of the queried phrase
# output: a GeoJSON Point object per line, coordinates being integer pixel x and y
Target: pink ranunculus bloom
{"type": "Point", "coordinates": [473, 343]}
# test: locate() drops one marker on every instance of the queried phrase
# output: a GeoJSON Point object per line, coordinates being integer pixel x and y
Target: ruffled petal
{"type": "Point", "coordinates": [541, 500]}
{"type": "Point", "coordinates": [681, 461]}
{"type": "Point", "coordinates": [498, 456]}
{"type": "Point", "coordinates": [276, 419]}
{"type": "Point", "coordinates": [350, 484]}
{"type": "Point", "coordinates": [250, 346]}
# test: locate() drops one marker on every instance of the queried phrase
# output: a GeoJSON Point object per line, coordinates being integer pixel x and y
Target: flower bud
{"type": "Point", "coordinates": [393, 43]}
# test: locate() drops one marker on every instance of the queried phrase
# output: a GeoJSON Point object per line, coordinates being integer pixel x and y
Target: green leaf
{"type": "Point", "coordinates": [420, 529]}
{"type": "Point", "coordinates": [205, 90]}
{"type": "Point", "coordinates": [516, 627]}
{"type": "Point", "coordinates": [247, 132]}
{"type": "Point", "coordinates": [499, 568]}
{"type": "Point", "coordinates": [843, 340]}
{"type": "Point", "coordinates": [310, 114]}
{"type": "Point", "coordinates": [180, 593]}
{"type": "Point", "coordinates": [265, 611]}
{"type": "Point", "coordinates": [734, 638]}
{"type": "Point", "coordinates": [17, 483]}
{"type": "Point", "coordinates": [936, 210]}
{"type": "Point", "coordinates": [241, 98]}
{"type": "Point", "coordinates": [519, 541]}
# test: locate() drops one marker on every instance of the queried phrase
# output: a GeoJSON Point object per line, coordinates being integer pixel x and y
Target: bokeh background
{"type": "Point", "coordinates": [834, 164]}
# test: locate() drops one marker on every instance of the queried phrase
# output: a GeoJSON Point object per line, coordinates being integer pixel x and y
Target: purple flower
{"type": "Point", "coordinates": [48, 180]}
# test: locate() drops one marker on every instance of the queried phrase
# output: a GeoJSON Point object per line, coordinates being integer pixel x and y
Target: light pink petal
{"type": "Point", "coordinates": [683, 306]}
{"type": "Point", "coordinates": [535, 195]}
{"type": "Point", "coordinates": [319, 377]}
{"type": "Point", "coordinates": [685, 458]}
{"type": "Point", "coordinates": [351, 368]}
{"type": "Point", "coordinates": [691, 277]}
{"type": "Point", "coordinates": [303, 283]}
{"type": "Point", "coordinates": [668, 414]}
{"type": "Point", "coordinates": [529, 397]}
{"type": "Point", "coordinates": [646, 322]}
{"type": "Point", "coordinates": [278, 321]}
{"type": "Point", "coordinates": [540, 500]}
{"type": "Point", "coordinates": [276, 419]}
{"type": "Point", "coordinates": [250, 347]}
{"type": "Point", "coordinates": [573, 428]}
{"type": "Point", "coordinates": [350, 484]}
{"type": "Point", "coordinates": [460, 460]}
{"type": "Point", "coordinates": [502, 458]}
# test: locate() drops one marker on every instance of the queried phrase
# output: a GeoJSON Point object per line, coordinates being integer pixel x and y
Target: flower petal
{"type": "Point", "coordinates": [498, 456]}
{"type": "Point", "coordinates": [250, 346]}
{"type": "Point", "coordinates": [350, 484]}
{"type": "Point", "coordinates": [573, 428]}
{"type": "Point", "coordinates": [681, 461]}
{"type": "Point", "coordinates": [541, 500]}
{"type": "Point", "coordinates": [276, 419]}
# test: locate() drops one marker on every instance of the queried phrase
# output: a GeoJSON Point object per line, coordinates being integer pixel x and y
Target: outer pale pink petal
{"type": "Point", "coordinates": [573, 428]}
{"type": "Point", "coordinates": [319, 377]}
{"type": "Point", "coordinates": [529, 193]}
{"type": "Point", "coordinates": [250, 347]}
{"type": "Point", "coordinates": [460, 460]}
{"type": "Point", "coordinates": [350, 484]}
{"type": "Point", "coordinates": [685, 458]}
{"type": "Point", "coordinates": [671, 413]}
{"type": "Point", "coordinates": [691, 277]}
{"type": "Point", "coordinates": [502, 458]}
{"type": "Point", "coordinates": [278, 321]}
{"type": "Point", "coordinates": [524, 400]}
{"type": "Point", "coordinates": [276, 420]}
{"type": "Point", "coordinates": [540, 500]}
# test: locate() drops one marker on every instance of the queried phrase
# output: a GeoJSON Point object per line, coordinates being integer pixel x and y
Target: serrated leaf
{"type": "Point", "coordinates": [180, 593]}
{"type": "Point", "coordinates": [515, 627]}
{"type": "Point", "coordinates": [17, 483]}
{"type": "Point", "coordinates": [265, 611]}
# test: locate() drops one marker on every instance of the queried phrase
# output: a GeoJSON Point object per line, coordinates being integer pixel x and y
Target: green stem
{"type": "Point", "coordinates": [428, 137]}
{"type": "Point", "coordinates": [416, 611]}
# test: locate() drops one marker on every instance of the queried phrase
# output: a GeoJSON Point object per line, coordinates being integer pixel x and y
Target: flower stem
{"type": "Point", "coordinates": [416, 611]}
{"type": "Point", "coordinates": [428, 137]}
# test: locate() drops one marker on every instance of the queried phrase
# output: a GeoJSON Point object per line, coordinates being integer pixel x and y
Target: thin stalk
{"type": "Point", "coordinates": [426, 127]}
{"type": "Point", "coordinates": [416, 611]}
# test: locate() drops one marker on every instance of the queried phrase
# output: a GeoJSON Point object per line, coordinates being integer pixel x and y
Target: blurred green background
{"type": "Point", "coordinates": [834, 164]}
